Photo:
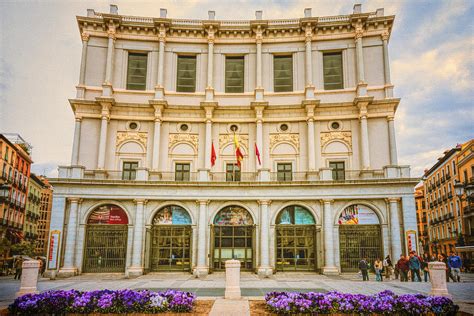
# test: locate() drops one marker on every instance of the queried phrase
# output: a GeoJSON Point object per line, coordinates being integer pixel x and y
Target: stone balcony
{"type": "Point", "coordinates": [262, 175]}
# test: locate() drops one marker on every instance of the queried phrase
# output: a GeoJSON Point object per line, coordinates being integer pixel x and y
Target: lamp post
{"type": "Point", "coordinates": [465, 188]}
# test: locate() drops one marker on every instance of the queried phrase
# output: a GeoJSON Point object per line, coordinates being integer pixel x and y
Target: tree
{"type": "Point", "coordinates": [24, 248]}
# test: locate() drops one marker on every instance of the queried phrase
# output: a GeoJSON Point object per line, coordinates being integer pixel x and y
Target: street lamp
{"type": "Point", "coordinates": [461, 188]}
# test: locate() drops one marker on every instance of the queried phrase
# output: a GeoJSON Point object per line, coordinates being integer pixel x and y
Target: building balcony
{"type": "Point", "coordinates": [448, 176]}
{"type": "Point", "coordinates": [443, 179]}
{"type": "Point", "coordinates": [262, 175]}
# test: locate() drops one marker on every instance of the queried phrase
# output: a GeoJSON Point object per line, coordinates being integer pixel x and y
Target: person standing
{"type": "Point", "coordinates": [402, 266]}
{"type": "Point", "coordinates": [364, 267]}
{"type": "Point", "coordinates": [424, 267]}
{"type": "Point", "coordinates": [415, 266]}
{"type": "Point", "coordinates": [378, 266]}
{"type": "Point", "coordinates": [455, 264]}
{"type": "Point", "coordinates": [387, 265]}
{"type": "Point", "coordinates": [18, 268]}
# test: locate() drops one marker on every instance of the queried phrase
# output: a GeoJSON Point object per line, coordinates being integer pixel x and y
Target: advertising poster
{"type": "Point", "coordinates": [233, 216]}
{"type": "Point", "coordinates": [172, 215]}
{"type": "Point", "coordinates": [53, 249]}
{"type": "Point", "coordinates": [108, 214]}
{"type": "Point", "coordinates": [411, 241]}
{"type": "Point", "coordinates": [358, 215]}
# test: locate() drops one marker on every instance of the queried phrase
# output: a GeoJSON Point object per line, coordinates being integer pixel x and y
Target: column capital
{"type": "Point", "coordinates": [202, 202]}
{"type": "Point", "coordinates": [75, 200]}
{"type": "Point", "coordinates": [385, 36]}
{"type": "Point", "coordinates": [78, 118]}
{"type": "Point", "coordinates": [140, 201]}
{"type": "Point", "coordinates": [359, 32]}
{"type": "Point", "coordinates": [327, 201]}
{"type": "Point", "coordinates": [85, 36]}
{"type": "Point", "coordinates": [264, 202]}
{"type": "Point", "coordinates": [393, 199]}
{"type": "Point", "coordinates": [162, 33]}
{"type": "Point", "coordinates": [390, 117]}
{"type": "Point", "coordinates": [308, 32]}
{"type": "Point", "coordinates": [112, 34]}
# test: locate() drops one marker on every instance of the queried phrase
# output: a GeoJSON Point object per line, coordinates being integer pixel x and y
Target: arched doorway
{"type": "Point", "coordinates": [295, 239]}
{"type": "Point", "coordinates": [170, 240]}
{"type": "Point", "coordinates": [232, 236]}
{"type": "Point", "coordinates": [105, 248]}
{"type": "Point", "coordinates": [360, 237]}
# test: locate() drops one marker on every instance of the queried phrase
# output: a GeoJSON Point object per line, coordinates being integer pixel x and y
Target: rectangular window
{"type": "Point", "coordinates": [186, 75]}
{"type": "Point", "coordinates": [182, 171]}
{"type": "Point", "coordinates": [129, 170]}
{"type": "Point", "coordinates": [338, 170]}
{"type": "Point", "coordinates": [283, 73]}
{"type": "Point", "coordinates": [454, 168]}
{"type": "Point", "coordinates": [136, 72]}
{"type": "Point", "coordinates": [232, 172]}
{"type": "Point", "coordinates": [284, 171]}
{"type": "Point", "coordinates": [332, 70]}
{"type": "Point", "coordinates": [234, 74]}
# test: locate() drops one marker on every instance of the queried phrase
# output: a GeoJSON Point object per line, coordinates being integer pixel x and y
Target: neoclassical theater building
{"type": "Point", "coordinates": [163, 105]}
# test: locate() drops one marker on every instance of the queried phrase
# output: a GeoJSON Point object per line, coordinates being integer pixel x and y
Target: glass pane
{"type": "Point", "coordinates": [136, 73]}
{"type": "Point", "coordinates": [283, 73]}
{"type": "Point", "coordinates": [186, 74]}
{"type": "Point", "coordinates": [332, 64]}
{"type": "Point", "coordinates": [234, 74]}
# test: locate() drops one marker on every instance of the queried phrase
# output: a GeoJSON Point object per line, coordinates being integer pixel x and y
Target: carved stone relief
{"type": "Point", "coordinates": [188, 138]}
{"type": "Point", "coordinates": [345, 137]}
{"type": "Point", "coordinates": [139, 137]}
{"type": "Point", "coordinates": [293, 139]}
{"type": "Point", "coordinates": [225, 139]}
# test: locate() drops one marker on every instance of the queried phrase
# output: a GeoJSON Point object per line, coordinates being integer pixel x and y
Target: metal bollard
{"type": "Point", "coordinates": [232, 280]}
{"type": "Point", "coordinates": [29, 277]}
{"type": "Point", "coordinates": [438, 279]}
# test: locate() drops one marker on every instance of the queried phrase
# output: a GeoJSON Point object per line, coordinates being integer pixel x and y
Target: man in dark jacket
{"type": "Point", "coordinates": [415, 266]}
{"type": "Point", "coordinates": [403, 268]}
{"type": "Point", "coordinates": [364, 267]}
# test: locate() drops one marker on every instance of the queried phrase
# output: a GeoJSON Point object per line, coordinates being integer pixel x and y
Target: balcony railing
{"type": "Point", "coordinates": [324, 174]}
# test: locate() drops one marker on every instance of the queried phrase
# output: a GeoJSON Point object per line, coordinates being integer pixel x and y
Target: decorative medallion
{"type": "Point", "coordinates": [345, 137]}
{"type": "Point", "coordinates": [225, 139]}
{"type": "Point", "coordinates": [186, 138]}
{"type": "Point", "coordinates": [139, 137]}
{"type": "Point", "coordinates": [293, 139]}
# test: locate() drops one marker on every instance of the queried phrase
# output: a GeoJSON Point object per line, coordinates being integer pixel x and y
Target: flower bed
{"type": "Point", "coordinates": [385, 302]}
{"type": "Point", "coordinates": [102, 301]}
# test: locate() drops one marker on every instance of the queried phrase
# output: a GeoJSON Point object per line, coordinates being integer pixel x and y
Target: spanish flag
{"type": "Point", "coordinates": [238, 154]}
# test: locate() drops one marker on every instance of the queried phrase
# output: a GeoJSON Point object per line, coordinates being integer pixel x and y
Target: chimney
{"type": "Point", "coordinates": [357, 8]}
{"type": "Point", "coordinates": [163, 13]}
{"type": "Point", "coordinates": [212, 15]}
{"type": "Point", "coordinates": [90, 13]}
{"type": "Point", "coordinates": [113, 9]}
{"type": "Point", "coordinates": [379, 12]}
{"type": "Point", "coordinates": [307, 12]}
{"type": "Point", "coordinates": [258, 14]}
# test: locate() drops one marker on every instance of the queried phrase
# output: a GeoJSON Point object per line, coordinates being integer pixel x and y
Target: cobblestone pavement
{"type": "Point", "coordinates": [252, 286]}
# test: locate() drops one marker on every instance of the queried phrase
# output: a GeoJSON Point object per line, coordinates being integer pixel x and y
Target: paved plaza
{"type": "Point", "coordinates": [252, 286]}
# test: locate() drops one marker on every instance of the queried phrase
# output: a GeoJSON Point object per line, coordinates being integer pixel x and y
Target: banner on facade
{"type": "Point", "coordinates": [53, 249]}
{"type": "Point", "coordinates": [358, 214]}
{"type": "Point", "coordinates": [411, 241]}
{"type": "Point", "coordinates": [108, 214]}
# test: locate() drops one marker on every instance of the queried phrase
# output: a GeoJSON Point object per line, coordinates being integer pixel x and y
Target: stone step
{"type": "Point", "coordinates": [230, 307]}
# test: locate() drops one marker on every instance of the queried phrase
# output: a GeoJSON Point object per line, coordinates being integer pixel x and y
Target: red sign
{"type": "Point", "coordinates": [108, 214]}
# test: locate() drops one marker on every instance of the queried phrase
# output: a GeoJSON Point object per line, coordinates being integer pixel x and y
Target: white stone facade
{"type": "Point", "coordinates": [364, 138]}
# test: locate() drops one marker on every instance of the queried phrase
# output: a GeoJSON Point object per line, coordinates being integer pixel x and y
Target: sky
{"type": "Point", "coordinates": [431, 60]}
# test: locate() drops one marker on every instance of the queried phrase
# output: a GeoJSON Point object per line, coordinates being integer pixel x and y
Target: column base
{"type": "Point", "coordinates": [440, 292]}
{"type": "Point", "coordinates": [209, 94]}
{"type": "Point", "coordinates": [259, 92]}
{"type": "Point", "coordinates": [264, 272]}
{"type": "Point", "coordinates": [159, 92]}
{"type": "Point", "coordinates": [26, 290]}
{"type": "Point", "coordinates": [67, 272]}
{"type": "Point", "coordinates": [201, 272]}
{"type": "Point", "coordinates": [263, 175]}
{"type": "Point", "coordinates": [362, 89]}
{"type": "Point", "coordinates": [134, 272]}
{"type": "Point", "coordinates": [312, 175]}
{"type": "Point", "coordinates": [330, 271]}
{"type": "Point", "coordinates": [309, 92]}
{"type": "Point", "coordinates": [107, 89]}
{"type": "Point", "coordinates": [203, 175]}
{"type": "Point", "coordinates": [325, 174]}
{"type": "Point", "coordinates": [80, 92]}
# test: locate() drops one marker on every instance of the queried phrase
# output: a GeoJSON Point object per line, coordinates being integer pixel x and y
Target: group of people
{"type": "Point", "coordinates": [18, 266]}
{"type": "Point", "coordinates": [410, 267]}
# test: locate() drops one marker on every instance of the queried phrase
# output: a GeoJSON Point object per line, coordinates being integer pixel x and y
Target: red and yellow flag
{"type": "Point", "coordinates": [238, 154]}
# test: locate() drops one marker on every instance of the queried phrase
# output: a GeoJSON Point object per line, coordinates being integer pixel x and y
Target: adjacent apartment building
{"type": "Point", "coordinates": [271, 141]}
{"type": "Point", "coordinates": [421, 218]}
{"type": "Point", "coordinates": [46, 203]}
{"type": "Point", "coordinates": [32, 214]}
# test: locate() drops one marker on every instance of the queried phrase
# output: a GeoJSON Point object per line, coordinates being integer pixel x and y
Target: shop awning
{"type": "Point", "coordinates": [465, 249]}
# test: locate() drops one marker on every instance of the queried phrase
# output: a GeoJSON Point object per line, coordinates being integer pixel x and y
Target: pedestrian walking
{"type": "Point", "coordinates": [455, 264]}
{"type": "Point", "coordinates": [403, 268]}
{"type": "Point", "coordinates": [415, 265]}
{"type": "Point", "coordinates": [444, 258]}
{"type": "Point", "coordinates": [18, 268]}
{"type": "Point", "coordinates": [378, 266]}
{"type": "Point", "coordinates": [364, 267]}
{"type": "Point", "coordinates": [424, 267]}
{"type": "Point", "coordinates": [387, 266]}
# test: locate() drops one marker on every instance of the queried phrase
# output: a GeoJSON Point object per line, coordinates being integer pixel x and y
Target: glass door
{"type": "Point", "coordinates": [233, 242]}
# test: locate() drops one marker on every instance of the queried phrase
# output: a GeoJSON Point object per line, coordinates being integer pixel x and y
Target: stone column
{"type": "Point", "coordinates": [210, 64]}
{"type": "Point", "coordinates": [361, 84]}
{"type": "Point", "coordinates": [395, 229]}
{"type": "Point", "coordinates": [265, 270]}
{"type": "Point", "coordinates": [109, 66]}
{"type": "Point", "coordinates": [202, 268]}
{"type": "Point", "coordinates": [77, 140]}
{"type": "Point", "coordinates": [159, 89]}
{"type": "Point", "coordinates": [309, 87]}
{"type": "Point", "coordinates": [156, 138]}
{"type": "Point", "coordinates": [391, 141]}
{"type": "Point", "coordinates": [386, 64]}
{"type": "Point", "coordinates": [438, 279]}
{"type": "Point", "coordinates": [69, 269]}
{"type": "Point", "coordinates": [259, 133]}
{"type": "Point", "coordinates": [259, 84]}
{"type": "Point", "coordinates": [103, 136]}
{"type": "Point", "coordinates": [82, 73]}
{"type": "Point", "coordinates": [310, 135]}
{"type": "Point", "coordinates": [137, 253]}
{"type": "Point", "coordinates": [29, 278]}
{"type": "Point", "coordinates": [329, 266]}
{"type": "Point", "coordinates": [364, 135]}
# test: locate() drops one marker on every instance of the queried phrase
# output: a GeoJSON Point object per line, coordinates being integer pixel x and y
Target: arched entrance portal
{"type": "Point", "coordinates": [105, 248]}
{"type": "Point", "coordinates": [170, 240]}
{"type": "Point", "coordinates": [295, 240]}
{"type": "Point", "coordinates": [360, 237]}
{"type": "Point", "coordinates": [232, 236]}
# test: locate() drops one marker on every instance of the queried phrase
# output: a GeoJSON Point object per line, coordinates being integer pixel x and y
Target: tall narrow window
{"type": "Point", "coordinates": [332, 64]}
{"type": "Point", "coordinates": [283, 73]}
{"type": "Point", "coordinates": [338, 170]}
{"type": "Point", "coordinates": [129, 170]}
{"type": "Point", "coordinates": [234, 74]}
{"type": "Point", "coordinates": [136, 74]}
{"type": "Point", "coordinates": [186, 75]}
{"type": "Point", "coordinates": [232, 172]}
{"type": "Point", "coordinates": [182, 171]}
{"type": "Point", "coordinates": [284, 172]}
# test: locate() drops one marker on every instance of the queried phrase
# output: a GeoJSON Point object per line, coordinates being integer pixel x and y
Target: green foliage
{"type": "Point", "coordinates": [24, 248]}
